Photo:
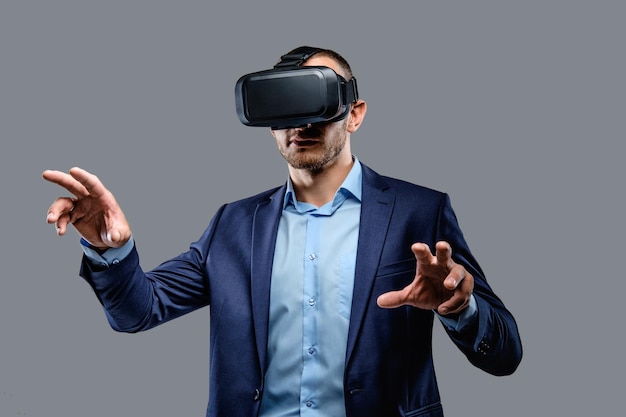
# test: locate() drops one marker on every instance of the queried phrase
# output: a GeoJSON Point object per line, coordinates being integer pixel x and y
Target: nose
{"type": "Point", "coordinates": [301, 128]}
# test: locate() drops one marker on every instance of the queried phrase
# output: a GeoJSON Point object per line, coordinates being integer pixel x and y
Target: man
{"type": "Point", "coordinates": [322, 292]}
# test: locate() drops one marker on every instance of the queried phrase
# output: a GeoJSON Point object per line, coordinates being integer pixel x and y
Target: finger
{"type": "Point", "coordinates": [455, 276]}
{"type": "Point", "coordinates": [454, 305]}
{"type": "Point", "coordinates": [443, 252]}
{"type": "Point", "coordinates": [61, 224]}
{"type": "Point", "coordinates": [60, 212]}
{"type": "Point", "coordinates": [89, 181]}
{"type": "Point", "coordinates": [61, 206]}
{"type": "Point", "coordinates": [391, 299]}
{"type": "Point", "coordinates": [66, 181]}
{"type": "Point", "coordinates": [422, 253]}
{"type": "Point", "coordinates": [461, 297]}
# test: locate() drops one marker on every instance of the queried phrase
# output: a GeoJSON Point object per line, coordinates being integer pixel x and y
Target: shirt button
{"type": "Point", "coordinates": [309, 404]}
{"type": "Point", "coordinates": [312, 256]}
{"type": "Point", "coordinates": [311, 302]}
{"type": "Point", "coordinates": [115, 261]}
{"type": "Point", "coordinates": [311, 351]}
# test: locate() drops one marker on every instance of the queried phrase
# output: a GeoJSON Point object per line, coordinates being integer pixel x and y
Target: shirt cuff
{"type": "Point", "coordinates": [111, 256]}
{"type": "Point", "coordinates": [465, 318]}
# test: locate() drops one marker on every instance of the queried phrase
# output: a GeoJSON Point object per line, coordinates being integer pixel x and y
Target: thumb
{"type": "Point", "coordinates": [117, 231]}
{"type": "Point", "coordinates": [115, 237]}
{"type": "Point", "coordinates": [391, 299]}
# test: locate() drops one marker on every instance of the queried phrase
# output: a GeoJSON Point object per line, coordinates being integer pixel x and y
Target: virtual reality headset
{"type": "Point", "coordinates": [291, 95]}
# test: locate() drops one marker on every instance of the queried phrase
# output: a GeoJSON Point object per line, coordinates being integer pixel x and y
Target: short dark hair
{"type": "Point", "coordinates": [339, 60]}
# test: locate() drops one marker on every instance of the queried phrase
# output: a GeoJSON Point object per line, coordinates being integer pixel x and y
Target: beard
{"type": "Point", "coordinates": [315, 162]}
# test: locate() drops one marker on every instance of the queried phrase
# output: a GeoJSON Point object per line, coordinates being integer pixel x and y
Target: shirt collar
{"type": "Point", "coordinates": [350, 188]}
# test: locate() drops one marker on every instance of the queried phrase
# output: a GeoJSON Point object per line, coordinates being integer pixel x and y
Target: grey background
{"type": "Point", "coordinates": [514, 108]}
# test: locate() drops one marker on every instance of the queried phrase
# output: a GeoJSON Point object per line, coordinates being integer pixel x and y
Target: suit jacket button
{"type": "Point", "coordinates": [257, 394]}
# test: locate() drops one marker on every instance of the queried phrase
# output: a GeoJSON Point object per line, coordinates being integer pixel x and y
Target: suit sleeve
{"type": "Point", "coordinates": [492, 343]}
{"type": "Point", "coordinates": [135, 300]}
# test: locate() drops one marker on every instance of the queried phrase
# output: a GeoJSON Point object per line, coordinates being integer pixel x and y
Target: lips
{"type": "Point", "coordinates": [305, 137]}
{"type": "Point", "coordinates": [298, 141]}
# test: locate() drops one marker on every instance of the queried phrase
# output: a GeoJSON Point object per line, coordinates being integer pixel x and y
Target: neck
{"type": "Point", "coordinates": [319, 187]}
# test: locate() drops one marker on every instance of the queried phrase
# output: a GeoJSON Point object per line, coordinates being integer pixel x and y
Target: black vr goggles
{"type": "Point", "coordinates": [290, 95]}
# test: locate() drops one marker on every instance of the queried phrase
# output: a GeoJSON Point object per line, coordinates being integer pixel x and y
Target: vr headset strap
{"type": "Point", "coordinates": [297, 57]}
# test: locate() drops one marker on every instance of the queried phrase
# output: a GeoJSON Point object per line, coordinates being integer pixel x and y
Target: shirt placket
{"type": "Point", "coordinates": [310, 314]}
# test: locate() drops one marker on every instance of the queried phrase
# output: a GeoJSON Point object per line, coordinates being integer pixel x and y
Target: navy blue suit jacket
{"type": "Point", "coordinates": [388, 365]}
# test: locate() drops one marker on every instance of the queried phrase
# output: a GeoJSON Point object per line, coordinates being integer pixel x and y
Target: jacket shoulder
{"type": "Point", "coordinates": [403, 185]}
{"type": "Point", "coordinates": [402, 188]}
{"type": "Point", "coordinates": [260, 198]}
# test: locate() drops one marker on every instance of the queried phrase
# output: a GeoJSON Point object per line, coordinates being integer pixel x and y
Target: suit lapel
{"type": "Point", "coordinates": [264, 230]}
{"type": "Point", "coordinates": [376, 208]}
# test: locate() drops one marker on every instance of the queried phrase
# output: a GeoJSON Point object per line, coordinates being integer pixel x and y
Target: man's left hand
{"type": "Point", "coordinates": [440, 283]}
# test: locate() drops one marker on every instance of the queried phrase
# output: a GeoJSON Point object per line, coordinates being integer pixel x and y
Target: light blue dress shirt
{"type": "Point", "coordinates": [310, 301]}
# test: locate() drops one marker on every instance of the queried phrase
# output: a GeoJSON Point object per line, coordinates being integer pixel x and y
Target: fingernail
{"type": "Point", "coordinates": [49, 216]}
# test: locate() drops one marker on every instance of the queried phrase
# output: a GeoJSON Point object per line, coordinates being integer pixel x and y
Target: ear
{"type": "Point", "coordinates": [357, 114]}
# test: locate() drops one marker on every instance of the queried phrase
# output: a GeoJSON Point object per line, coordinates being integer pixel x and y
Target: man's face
{"type": "Point", "coordinates": [315, 147]}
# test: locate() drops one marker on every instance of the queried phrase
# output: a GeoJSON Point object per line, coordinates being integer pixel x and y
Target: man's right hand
{"type": "Point", "coordinates": [93, 211]}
